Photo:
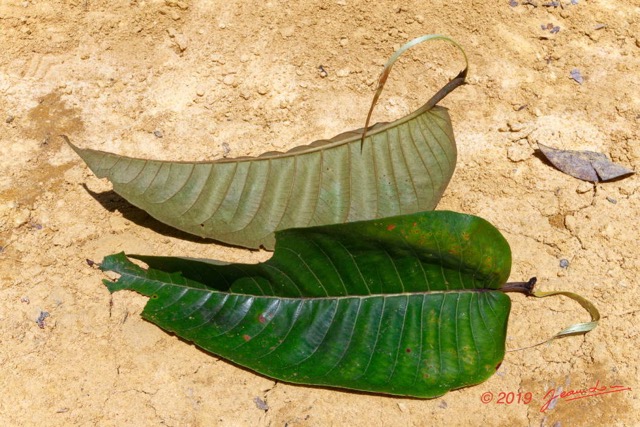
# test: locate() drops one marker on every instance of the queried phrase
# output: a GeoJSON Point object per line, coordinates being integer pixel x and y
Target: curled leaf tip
{"type": "Point", "coordinates": [459, 79]}
{"type": "Point", "coordinates": [575, 329]}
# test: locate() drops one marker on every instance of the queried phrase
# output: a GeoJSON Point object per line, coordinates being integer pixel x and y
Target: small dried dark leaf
{"type": "Point", "coordinates": [584, 165]}
{"type": "Point", "coordinates": [577, 76]}
{"type": "Point", "coordinates": [260, 404]}
{"type": "Point", "coordinates": [40, 320]}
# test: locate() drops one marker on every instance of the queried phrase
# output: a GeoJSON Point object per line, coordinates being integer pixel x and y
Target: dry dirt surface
{"type": "Point", "coordinates": [207, 79]}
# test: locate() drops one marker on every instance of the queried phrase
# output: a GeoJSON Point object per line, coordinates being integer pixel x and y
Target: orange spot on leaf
{"type": "Point", "coordinates": [390, 227]}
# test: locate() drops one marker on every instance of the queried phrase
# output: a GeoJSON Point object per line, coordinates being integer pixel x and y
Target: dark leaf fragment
{"type": "Point", "coordinates": [576, 75]}
{"type": "Point", "coordinates": [584, 165]}
{"type": "Point", "coordinates": [260, 404]}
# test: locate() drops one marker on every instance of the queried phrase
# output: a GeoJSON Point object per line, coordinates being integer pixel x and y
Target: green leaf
{"type": "Point", "coordinates": [391, 169]}
{"type": "Point", "coordinates": [407, 305]}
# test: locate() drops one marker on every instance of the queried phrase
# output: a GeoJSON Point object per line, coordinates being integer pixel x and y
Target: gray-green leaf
{"type": "Point", "coordinates": [400, 167]}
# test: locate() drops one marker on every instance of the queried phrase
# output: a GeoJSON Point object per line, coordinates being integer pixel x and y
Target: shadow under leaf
{"type": "Point", "coordinates": [112, 201]}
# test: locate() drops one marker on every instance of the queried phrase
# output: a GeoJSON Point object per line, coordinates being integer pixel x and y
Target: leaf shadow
{"type": "Point", "coordinates": [112, 201]}
{"type": "Point", "coordinates": [537, 153]}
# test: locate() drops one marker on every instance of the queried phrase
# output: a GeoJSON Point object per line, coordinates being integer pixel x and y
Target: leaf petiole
{"type": "Point", "coordinates": [575, 329]}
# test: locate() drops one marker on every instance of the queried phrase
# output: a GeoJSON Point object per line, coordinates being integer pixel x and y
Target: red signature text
{"type": "Point", "coordinates": [554, 395]}
{"type": "Point", "coordinates": [509, 398]}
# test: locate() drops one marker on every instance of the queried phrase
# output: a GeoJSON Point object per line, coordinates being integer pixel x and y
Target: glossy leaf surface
{"type": "Point", "coordinates": [406, 305]}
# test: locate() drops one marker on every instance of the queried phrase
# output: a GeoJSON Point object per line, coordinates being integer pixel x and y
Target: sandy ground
{"type": "Point", "coordinates": [201, 80]}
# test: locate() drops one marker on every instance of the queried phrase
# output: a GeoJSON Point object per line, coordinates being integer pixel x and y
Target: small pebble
{"type": "Point", "coordinates": [287, 32]}
{"type": "Point", "coordinates": [9, 119]}
{"type": "Point", "coordinates": [584, 187]}
{"type": "Point", "coordinates": [21, 218]}
{"type": "Point", "coordinates": [158, 133]}
{"type": "Point", "coordinates": [217, 58]}
{"type": "Point", "coordinates": [182, 42]}
{"type": "Point", "coordinates": [564, 263]}
{"type": "Point", "coordinates": [611, 200]}
{"type": "Point", "coordinates": [229, 79]}
{"type": "Point", "coordinates": [570, 223]}
{"type": "Point", "coordinates": [519, 152]}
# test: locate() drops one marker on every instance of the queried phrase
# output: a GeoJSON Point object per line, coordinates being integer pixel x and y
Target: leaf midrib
{"type": "Point", "coordinates": [162, 284]}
